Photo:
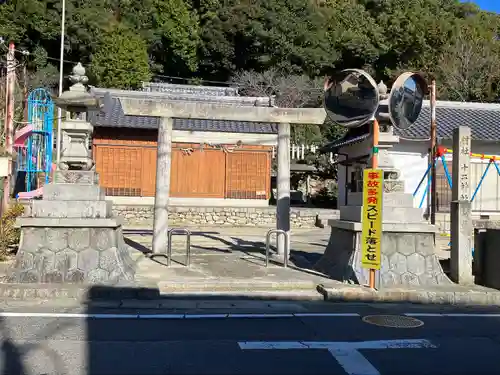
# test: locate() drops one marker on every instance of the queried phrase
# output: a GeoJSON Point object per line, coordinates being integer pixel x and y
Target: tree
{"type": "Point", "coordinates": [121, 60]}
{"type": "Point", "coordinates": [41, 73]}
{"type": "Point", "coordinates": [176, 36]}
{"type": "Point", "coordinates": [262, 34]}
{"type": "Point", "coordinates": [414, 33]}
{"type": "Point", "coordinates": [294, 91]}
{"type": "Point", "coordinates": [469, 68]}
{"type": "Point", "coordinates": [170, 28]}
{"type": "Point", "coordinates": [354, 33]}
{"type": "Point", "coordinates": [289, 91]}
{"type": "Point", "coordinates": [211, 39]}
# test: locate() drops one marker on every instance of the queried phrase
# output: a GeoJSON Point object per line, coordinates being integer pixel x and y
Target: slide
{"type": "Point", "coordinates": [31, 194]}
{"type": "Point", "coordinates": [34, 193]}
{"type": "Point", "coordinates": [21, 135]}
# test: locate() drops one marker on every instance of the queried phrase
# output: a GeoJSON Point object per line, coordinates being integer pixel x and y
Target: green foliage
{"type": "Point", "coordinates": [9, 234]}
{"type": "Point", "coordinates": [469, 68]}
{"type": "Point", "coordinates": [177, 31]}
{"type": "Point", "coordinates": [121, 60]}
{"type": "Point", "coordinates": [300, 39]}
{"type": "Point", "coordinates": [264, 34]}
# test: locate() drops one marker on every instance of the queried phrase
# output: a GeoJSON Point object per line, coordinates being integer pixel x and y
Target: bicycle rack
{"type": "Point", "coordinates": [173, 231]}
{"type": "Point", "coordinates": [268, 244]}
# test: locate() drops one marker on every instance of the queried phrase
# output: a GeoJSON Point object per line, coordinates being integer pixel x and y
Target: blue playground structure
{"type": "Point", "coordinates": [34, 141]}
{"type": "Point", "coordinates": [440, 156]}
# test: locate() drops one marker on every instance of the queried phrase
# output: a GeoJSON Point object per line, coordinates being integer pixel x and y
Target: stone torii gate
{"type": "Point", "coordinates": [168, 110]}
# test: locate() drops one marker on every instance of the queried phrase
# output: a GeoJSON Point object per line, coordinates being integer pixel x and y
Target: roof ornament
{"type": "Point", "coordinates": [382, 88]}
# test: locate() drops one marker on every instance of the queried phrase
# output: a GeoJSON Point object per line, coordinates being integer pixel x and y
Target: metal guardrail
{"type": "Point", "coordinates": [268, 244]}
{"type": "Point", "coordinates": [173, 231]}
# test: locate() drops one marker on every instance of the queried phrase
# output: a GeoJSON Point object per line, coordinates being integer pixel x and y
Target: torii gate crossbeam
{"type": "Point", "coordinates": [169, 109]}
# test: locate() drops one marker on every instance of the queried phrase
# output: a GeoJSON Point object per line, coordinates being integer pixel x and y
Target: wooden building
{"type": "Point", "coordinates": [221, 160]}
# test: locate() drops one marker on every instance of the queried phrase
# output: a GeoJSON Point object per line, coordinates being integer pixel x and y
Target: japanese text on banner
{"type": "Point", "coordinates": [371, 234]}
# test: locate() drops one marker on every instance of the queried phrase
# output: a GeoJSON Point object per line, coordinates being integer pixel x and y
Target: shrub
{"type": "Point", "coordinates": [9, 234]}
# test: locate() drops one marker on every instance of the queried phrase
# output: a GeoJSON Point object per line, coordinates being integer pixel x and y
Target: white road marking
{"type": "Point", "coordinates": [353, 362]}
{"type": "Point", "coordinates": [159, 316]}
{"type": "Point", "coordinates": [205, 316]}
{"type": "Point", "coordinates": [474, 315]}
{"type": "Point", "coordinates": [454, 315]}
{"type": "Point", "coordinates": [423, 314]}
{"type": "Point", "coordinates": [346, 353]}
{"type": "Point", "coordinates": [300, 315]}
{"type": "Point", "coordinates": [66, 315]}
{"type": "Point", "coordinates": [253, 316]}
{"type": "Point", "coordinates": [7, 314]}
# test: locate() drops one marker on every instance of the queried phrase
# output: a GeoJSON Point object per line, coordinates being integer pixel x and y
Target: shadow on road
{"type": "Point", "coordinates": [13, 355]}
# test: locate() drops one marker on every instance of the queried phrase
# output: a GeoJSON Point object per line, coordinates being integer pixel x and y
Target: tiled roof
{"type": "Point", "coordinates": [482, 118]}
{"type": "Point", "coordinates": [342, 142]}
{"type": "Point", "coordinates": [116, 118]}
{"type": "Point", "coordinates": [189, 96]}
{"type": "Point", "coordinates": [189, 89]}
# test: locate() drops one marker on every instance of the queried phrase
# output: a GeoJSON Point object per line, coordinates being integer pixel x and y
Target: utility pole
{"type": "Point", "coordinates": [9, 121]}
{"type": "Point", "coordinates": [61, 68]}
{"type": "Point", "coordinates": [432, 154]}
{"type": "Point", "coordinates": [25, 92]}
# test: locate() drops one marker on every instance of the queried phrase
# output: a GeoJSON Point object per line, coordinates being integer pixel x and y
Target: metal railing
{"type": "Point", "coordinates": [173, 231]}
{"type": "Point", "coordinates": [286, 236]}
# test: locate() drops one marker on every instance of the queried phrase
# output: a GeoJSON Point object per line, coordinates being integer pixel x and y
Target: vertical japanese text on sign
{"type": "Point", "coordinates": [371, 234]}
{"type": "Point", "coordinates": [464, 188]}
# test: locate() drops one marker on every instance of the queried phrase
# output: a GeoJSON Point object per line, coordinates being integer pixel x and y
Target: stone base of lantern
{"type": "Point", "coordinates": [408, 255]}
{"type": "Point", "coordinates": [71, 236]}
{"type": "Point", "coordinates": [66, 250]}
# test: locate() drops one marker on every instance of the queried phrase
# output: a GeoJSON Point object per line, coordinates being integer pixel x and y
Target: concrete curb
{"type": "Point", "coordinates": [75, 292]}
{"type": "Point", "coordinates": [221, 285]}
{"type": "Point", "coordinates": [456, 296]}
{"type": "Point", "coordinates": [115, 296]}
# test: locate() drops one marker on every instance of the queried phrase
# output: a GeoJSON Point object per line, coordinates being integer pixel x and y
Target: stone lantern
{"type": "Point", "coordinates": [76, 131]}
{"type": "Point", "coordinates": [71, 235]}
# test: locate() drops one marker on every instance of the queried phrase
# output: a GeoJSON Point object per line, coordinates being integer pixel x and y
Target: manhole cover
{"type": "Point", "coordinates": [393, 321]}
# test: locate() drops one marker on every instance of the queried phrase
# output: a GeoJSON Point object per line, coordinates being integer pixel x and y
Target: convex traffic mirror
{"type": "Point", "coordinates": [405, 99]}
{"type": "Point", "coordinates": [351, 98]}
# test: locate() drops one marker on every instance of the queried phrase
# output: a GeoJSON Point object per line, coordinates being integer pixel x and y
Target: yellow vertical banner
{"type": "Point", "coordinates": [371, 235]}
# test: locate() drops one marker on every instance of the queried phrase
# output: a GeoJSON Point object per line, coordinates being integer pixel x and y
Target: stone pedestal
{"type": "Point", "coordinates": [408, 255]}
{"type": "Point", "coordinates": [408, 246]}
{"type": "Point", "coordinates": [71, 236]}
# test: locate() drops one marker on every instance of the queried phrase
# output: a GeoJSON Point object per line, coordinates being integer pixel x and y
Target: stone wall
{"type": "Point", "coordinates": [206, 216]}
{"type": "Point", "coordinates": [443, 221]}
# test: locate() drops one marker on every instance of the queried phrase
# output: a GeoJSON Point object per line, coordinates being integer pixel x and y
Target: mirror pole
{"type": "Point", "coordinates": [433, 154]}
{"type": "Point", "coordinates": [375, 137]}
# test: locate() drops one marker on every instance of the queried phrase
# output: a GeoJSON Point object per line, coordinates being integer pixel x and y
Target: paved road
{"type": "Point", "coordinates": [334, 341]}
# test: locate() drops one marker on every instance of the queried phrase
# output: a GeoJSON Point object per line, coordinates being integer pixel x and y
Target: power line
{"type": "Point", "coordinates": [156, 75]}
{"type": "Point", "coordinates": [22, 52]}
{"type": "Point", "coordinates": [182, 78]}
{"type": "Point", "coordinates": [26, 53]}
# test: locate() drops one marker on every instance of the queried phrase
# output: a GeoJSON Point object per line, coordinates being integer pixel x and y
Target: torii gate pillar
{"type": "Point", "coordinates": [168, 109]}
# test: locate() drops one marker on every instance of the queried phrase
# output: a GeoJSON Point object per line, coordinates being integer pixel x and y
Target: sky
{"type": "Point", "coordinates": [491, 5]}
